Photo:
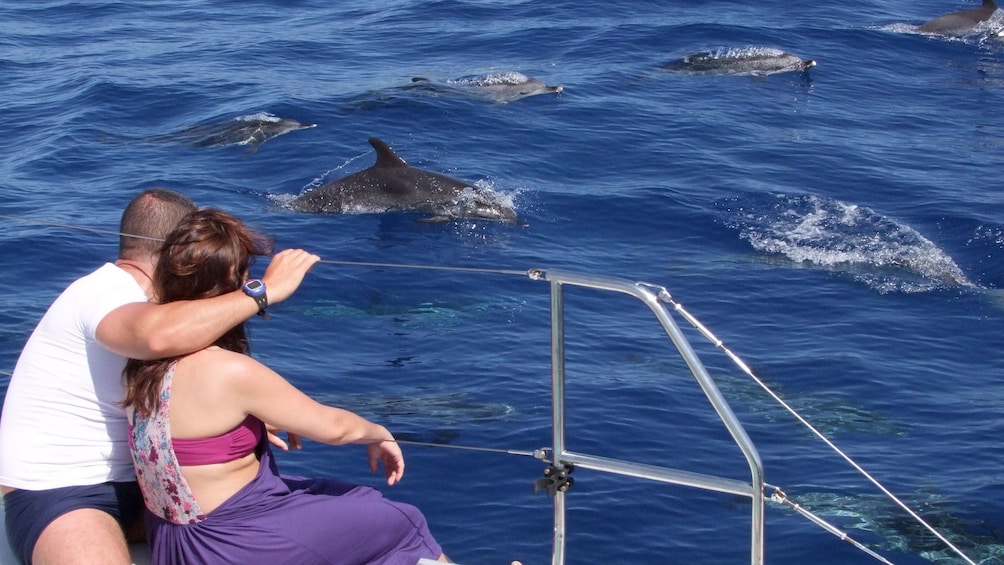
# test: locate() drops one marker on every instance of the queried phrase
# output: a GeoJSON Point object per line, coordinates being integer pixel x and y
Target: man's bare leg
{"type": "Point", "coordinates": [82, 537]}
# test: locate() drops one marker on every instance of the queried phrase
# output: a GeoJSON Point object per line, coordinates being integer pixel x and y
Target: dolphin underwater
{"type": "Point", "coordinates": [961, 22]}
{"type": "Point", "coordinates": [497, 87]}
{"type": "Point", "coordinates": [392, 185]}
{"type": "Point", "coordinates": [748, 61]}
{"type": "Point", "coordinates": [251, 130]}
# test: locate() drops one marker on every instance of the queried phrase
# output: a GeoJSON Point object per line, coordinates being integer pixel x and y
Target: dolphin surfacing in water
{"type": "Point", "coordinates": [755, 61]}
{"type": "Point", "coordinates": [961, 22]}
{"type": "Point", "coordinates": [251, 130]}
{"type": "Point", "coordinates": [498, 87]}
{"type": "Point", "coordinates": [392, 185]}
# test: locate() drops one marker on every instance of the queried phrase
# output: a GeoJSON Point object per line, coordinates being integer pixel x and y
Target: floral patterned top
{"type": "Point", "coordinates": [165, 491]}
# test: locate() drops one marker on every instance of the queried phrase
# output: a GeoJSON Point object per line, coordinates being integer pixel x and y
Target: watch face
{"type": "Point", "coordinates": [254, 287]}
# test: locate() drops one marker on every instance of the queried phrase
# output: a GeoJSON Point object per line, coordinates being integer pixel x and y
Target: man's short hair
{"type": "Point", "coordinates": [147, 220]}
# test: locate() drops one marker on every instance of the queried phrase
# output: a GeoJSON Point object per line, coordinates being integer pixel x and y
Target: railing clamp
{"type": "Point", "coordinates": [555, 480]}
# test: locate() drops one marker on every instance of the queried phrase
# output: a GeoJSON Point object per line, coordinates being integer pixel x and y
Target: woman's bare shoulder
{"type": "Point", "coordinates": [220, 362]}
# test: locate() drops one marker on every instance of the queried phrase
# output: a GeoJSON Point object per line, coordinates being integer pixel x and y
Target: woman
{"type": "Point", "coordinates": [212, 490]}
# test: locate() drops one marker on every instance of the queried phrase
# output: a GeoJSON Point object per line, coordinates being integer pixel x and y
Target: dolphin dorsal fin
{"type": "Point", "coordinates": [385, 155]}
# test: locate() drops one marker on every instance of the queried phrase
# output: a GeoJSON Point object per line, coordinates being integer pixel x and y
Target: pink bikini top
{"type": "Point", "coordinates": [234, 444]}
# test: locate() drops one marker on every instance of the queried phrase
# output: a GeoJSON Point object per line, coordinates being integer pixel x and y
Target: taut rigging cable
{"type": "Point", "coordinates": [327, 261]}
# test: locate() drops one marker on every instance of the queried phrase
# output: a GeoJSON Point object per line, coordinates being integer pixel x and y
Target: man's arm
{"type": "Point", "coordinates": [146, 330]}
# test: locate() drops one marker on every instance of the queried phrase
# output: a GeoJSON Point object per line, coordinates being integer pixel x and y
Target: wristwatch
{"type": "Point", "coordinates": [255, 288]}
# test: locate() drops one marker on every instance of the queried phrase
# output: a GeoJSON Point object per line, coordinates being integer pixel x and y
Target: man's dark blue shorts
{"type": "Point", "coordinates": [28, 512]}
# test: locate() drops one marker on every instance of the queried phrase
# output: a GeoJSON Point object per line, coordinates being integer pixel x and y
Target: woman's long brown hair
{"type": "Point", "coordinates": [207, 254]}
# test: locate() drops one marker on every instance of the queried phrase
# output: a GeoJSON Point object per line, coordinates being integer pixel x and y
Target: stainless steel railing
{"type": "Point", "coordinates": [649, 295]}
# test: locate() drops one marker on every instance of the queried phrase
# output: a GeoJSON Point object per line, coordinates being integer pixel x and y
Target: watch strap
{"type": "Point", "coordinates": [262, 302]}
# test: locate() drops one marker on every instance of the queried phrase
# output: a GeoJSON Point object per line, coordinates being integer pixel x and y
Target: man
{"type": "Point", "coordinates": [65, 470]}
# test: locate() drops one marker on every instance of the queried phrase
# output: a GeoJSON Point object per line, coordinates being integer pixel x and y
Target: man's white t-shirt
{"type": "Point", "coordinates": [62, 424]}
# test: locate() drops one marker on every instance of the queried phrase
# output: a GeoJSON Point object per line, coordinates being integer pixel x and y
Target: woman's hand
{"type": "Point", "coordinates": [273, 437]}
{"type": "Point", "coordinates": [389, 453]}
{"type": "Point", "coordinates": [285, 273]}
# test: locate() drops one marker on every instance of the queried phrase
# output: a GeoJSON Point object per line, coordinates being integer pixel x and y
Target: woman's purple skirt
{"type": "Point", "coordinates": [278, 519]}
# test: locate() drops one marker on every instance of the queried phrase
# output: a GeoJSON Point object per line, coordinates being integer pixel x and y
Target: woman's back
{"type": "Point", "coordinates": [203, 406]}
{"type": "Point", "coordinates": [196, 442]}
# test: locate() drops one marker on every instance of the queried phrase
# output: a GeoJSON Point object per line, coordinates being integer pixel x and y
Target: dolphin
{"type": "Point", "coordinates": [747, 61]}
{"type": "Point", "coordinates": [392, 185]}
{"type": "Point", "coordinates": [961, 22]}
{"type": "Point", "coordinates": [498, 87]}
{"type": "Point", "coordinates": [251, 130]}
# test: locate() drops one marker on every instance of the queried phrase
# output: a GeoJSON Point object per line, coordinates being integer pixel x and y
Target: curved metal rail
{"type": "Point", "coordinates": [648, 295]}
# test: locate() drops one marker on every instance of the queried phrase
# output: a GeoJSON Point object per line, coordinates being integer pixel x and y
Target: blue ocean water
{"type": "Point", "coordinates": [840, 230]}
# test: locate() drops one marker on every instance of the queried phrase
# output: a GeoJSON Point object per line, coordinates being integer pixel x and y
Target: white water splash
{"type": "Point", "coordinates": [259, 117]}
{"type": "Point", "coordinates": [839, 236]}
{"type": "Point", "coordinates": [490, 79]}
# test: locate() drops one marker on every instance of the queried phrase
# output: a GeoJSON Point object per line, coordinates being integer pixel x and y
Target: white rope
{"type": "Point", "coordinates": [666, 297]}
